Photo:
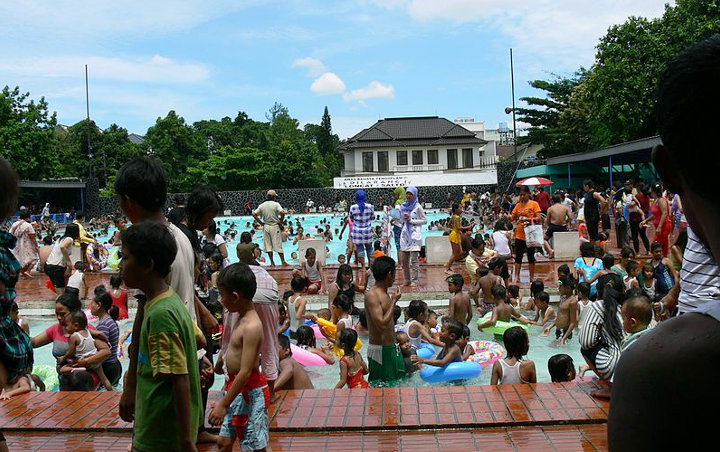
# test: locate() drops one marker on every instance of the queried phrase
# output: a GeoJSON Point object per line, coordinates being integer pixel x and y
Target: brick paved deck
{"type": "Point", "coordinates": [559, 416]}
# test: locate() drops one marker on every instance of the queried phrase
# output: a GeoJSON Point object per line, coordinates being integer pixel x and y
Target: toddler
{"type": "Point", "coordinates": [283, 321]}
{"type": "Point", "coordinates": [536, 287]}
{"type": "Point", "coordinates": [514, 295]}
{"type": "Point", "coordinates": [637, 314]}
{"type": "Point", "coordinates": [513, 369]}
{"type": "Point", "coordinates": [465, 347]}
{"type": "Point", "coordinates": [82, 345]}
{"type": "Point", "coordinates": [630, 280]}
{"type": "Point", "coordinates": [416, 331]}
{"type": "Point", "coordinates": [544, 313]}
{"type": "Point", "coordinates": [561, 368]}
{"type": "Point", "coordinates": [352, 364]}
{"type": "Point", "coordinates": [583, 291]}
{"type": "Point", "coordinates": [24, 384]}
{"type": "Point", "coordinates": [647, 281]}
{"type": "Point", "coordinates": [305, 338]}
{"type": "Point", "coordinates": [403, 341]}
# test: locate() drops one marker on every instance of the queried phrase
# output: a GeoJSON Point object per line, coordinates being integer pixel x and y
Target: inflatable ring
{"type": "Point", "coordinates": [99, 262]}
{"type": "Point", "coordinates": [500, 326]}
{"type": "Point", "coordinates": [48, 374]}
{"type": "Point", "coordinates": [486, 352]}
{"type": "Point", "coordinates": [331, 330]}
{"type": "Point", "coordinates": [318, 334]}
{"type": "Point", "coordinates": [114, 259]}
{"type": "Point", "coordinates": [426, 351]}
{"type": "Point", "coordinates": [451, 372]}
{"type": "Point", "coordinates": [305, 357]}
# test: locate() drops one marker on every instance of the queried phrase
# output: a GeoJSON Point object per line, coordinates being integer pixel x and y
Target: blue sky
{"type": "Point", "coordinates": [364, 59]}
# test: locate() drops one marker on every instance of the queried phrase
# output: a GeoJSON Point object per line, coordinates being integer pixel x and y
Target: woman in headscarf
{"type": "Point", "coordinates": [362, 215]}
{"type": "Point", "coordinates": [396, 221]}
{"type": "Point", "coordinates": [413, 218]}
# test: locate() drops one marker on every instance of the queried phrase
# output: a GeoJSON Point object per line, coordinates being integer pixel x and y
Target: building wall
{"type": "Point", "coordinates": [354, 159]}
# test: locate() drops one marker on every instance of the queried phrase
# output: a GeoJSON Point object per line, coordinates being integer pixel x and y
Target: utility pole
{"type": "Point", "coordinates": [512, 87]}
{"type": "Point", "coordinates": [89, 128]}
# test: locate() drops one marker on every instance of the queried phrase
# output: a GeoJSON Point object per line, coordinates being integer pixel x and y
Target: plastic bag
{"type": "Point", "coordinates": [534, 236]}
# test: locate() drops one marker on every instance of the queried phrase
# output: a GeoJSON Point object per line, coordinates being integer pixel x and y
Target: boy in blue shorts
{"type": "Point", "coordinates": [242, 411]}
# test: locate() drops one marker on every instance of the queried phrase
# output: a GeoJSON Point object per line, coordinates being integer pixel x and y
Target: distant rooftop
{"type": "Point", "coordinates": [413, 131]}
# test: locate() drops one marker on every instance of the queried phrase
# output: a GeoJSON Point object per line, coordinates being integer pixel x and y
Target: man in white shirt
{"type": "Point", "coordinates": [271, 215]}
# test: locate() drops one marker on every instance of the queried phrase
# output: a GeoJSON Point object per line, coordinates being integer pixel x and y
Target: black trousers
{"type": "Point", "coordinates": [635, 231]}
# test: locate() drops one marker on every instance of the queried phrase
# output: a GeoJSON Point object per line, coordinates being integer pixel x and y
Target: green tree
{"type": "Point", "coordinates": [27, 134]}
{"type": "Point", "coordinates": [230, 168]}
{"type": "Point", "coordinates": [178, 147]}
{"type": "Point", "coordinates": [544, 114]}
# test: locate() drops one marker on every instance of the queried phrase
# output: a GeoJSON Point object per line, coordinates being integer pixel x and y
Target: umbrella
{"type": "Point", "coordinates": [534, 181]}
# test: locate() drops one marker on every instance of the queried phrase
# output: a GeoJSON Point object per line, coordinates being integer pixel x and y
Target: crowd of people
{"type": "Point", "coordinates": [638, 318]}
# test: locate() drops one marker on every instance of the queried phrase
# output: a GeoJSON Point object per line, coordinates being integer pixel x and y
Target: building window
{"type": "Point", "coordinates": [417, 157]}
{"type": "Point", "coordinates": [383, 161]}
{"type": "Point", "coordinates": [367, 162]}
{"type": "Point", "coordinates": [452, 159]}
{"type": "Point", "coordinates": [467, 158]}
{"type": "Point", "coordinates": [402, 158]}
{"type": "Point", "coordinates": [432, 156]}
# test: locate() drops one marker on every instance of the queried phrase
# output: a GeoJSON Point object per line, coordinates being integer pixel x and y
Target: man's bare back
{"type": "Point", "coordinates": [558, 214]}
{"type": "Point", "coordinates": [377, 304]}
{"type": "Point", "coordinates": [460, 307]}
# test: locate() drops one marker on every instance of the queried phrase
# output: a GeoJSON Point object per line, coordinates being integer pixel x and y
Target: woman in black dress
{"type": "Point", "coordinates": [591, 209]}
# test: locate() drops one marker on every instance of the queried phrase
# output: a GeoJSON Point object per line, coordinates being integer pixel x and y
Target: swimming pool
{"type": "Point", "coordinates": [310, 223]}
{"type": "Point", "coordinates": [541, 349]}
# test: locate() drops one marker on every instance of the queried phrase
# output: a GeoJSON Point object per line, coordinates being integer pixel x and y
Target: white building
{"type": "Point", "coordinates": [421, 151]}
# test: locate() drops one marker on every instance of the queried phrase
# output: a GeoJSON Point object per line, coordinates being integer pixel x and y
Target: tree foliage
{"type": "Point", "coordinates": [27, 134]}
{"type": "Point", "coordinates": [613, 101]}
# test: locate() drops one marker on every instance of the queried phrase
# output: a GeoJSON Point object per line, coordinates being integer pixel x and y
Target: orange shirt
{"type": "Point", "coordinates": [530, 209]}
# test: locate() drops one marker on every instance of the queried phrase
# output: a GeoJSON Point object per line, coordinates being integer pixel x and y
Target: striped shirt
{"type": "Point", "coordinates": [595, 339]}
{"type": "Point", "coordinates": [362, 233]}
{"type": "Point", "coordinates": [111, 330]}
{"type": "Point", "coordinates": [699, 276]}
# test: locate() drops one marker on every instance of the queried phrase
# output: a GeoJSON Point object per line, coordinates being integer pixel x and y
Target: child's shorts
{"type": "Point", "coordinates": [560, 333]}
{"type": "Point", "coordinates": [247, 418]}
{"type": "Point", "coordinates": [317, 283]}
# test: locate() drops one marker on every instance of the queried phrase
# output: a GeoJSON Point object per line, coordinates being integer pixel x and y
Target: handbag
{"type": "Point", "coordinates": [534, 236]}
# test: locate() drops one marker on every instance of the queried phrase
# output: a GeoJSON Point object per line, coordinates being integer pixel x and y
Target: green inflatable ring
{"type": "Point", "coordinates": [49, 376]}
{"type": "Point", "coordinates": [113, 261]}
{"type": "Point", "coordinates": [500, 326]}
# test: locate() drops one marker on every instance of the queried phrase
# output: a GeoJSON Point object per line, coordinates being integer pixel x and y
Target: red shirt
{"type": "Point", "coordinates": [543, 200]}
{"type": "Point", "coordinates": [121, 302]}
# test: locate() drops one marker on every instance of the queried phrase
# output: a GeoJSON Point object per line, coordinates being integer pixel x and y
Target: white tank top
{"type": "Point", "coordinates": [86, 347]}
{"type": "Point", "coordinates": [312, 273]}
{"type": "Point", "coordinates": [56, 256]}
{"type": "Point", "coordinates": [414, 341]}
{"type": "Point", "coordinates": [294, 322]}
{"type": "Point", "coordinates": [582, 314]}
{"type": "Point", "coordinates": [501, 243]}
{"type": "Point", "coordinates": [510, 374]}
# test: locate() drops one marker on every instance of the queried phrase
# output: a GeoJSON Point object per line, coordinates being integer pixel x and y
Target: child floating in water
{"type": "Point", "coordinates": [82, 345]}
{"type": "Point", "coordinates": [451, 332]}
{"type": "Point", "coordinates": [513, 369]}
{"type": "Point", "coordinates": [352, 364]}
{"type": "Point", "coordinates": [502, 312]}
{"type": "Point", "coordinates": [292, 373]}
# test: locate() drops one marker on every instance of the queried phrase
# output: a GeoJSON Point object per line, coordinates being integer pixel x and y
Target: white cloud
{"type": "Point", "coordinates": [562, 31]}
{"type": "Point", "coordinates": [374, 90]}
{"type": "Point", "coordinates": [157, 69]}
{"type": "Point", "coordinates": [327, 84]}
{"type": "Point", "coordinates": [314, 66]}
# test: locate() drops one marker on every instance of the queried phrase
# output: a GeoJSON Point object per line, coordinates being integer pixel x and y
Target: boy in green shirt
{"type": "Point", "coordinates": [168, 403]}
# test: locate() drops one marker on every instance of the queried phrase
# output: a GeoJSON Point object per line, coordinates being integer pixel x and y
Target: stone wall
{"type": "Point", "coordinates": [296, 199]}
{"type": "Point", "coordinates": [506, 170]}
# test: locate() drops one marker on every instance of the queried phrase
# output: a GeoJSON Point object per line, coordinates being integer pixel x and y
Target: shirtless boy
{"type": "Point", "coordinates": [292, 373]}
{"type": "Point", "coordinates": [460, 308]}
{"type": "Point", "coordinates": [486, 283]}
{"type": "Point", "coordinates": [567, 316]}
{"type": "Point", "coordinates": [503, 311]}
{"type": "Point", "coordinates": [559, 217]}
{"type": "Point", "coordinates": [385, 360]}
{"type": "Point", "coordinates": [246, 396]}
{"type": "Point", "coordinates": [544, 312]}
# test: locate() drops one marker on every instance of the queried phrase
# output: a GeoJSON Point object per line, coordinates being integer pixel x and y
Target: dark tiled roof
{"type": "Point", "coordinates": [414, 131]}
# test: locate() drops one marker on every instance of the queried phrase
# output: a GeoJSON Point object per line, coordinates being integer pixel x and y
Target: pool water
{"type": "Point", "coordinates": [541, 349]}
{"type": "Point", "coordinates": [310, 223]}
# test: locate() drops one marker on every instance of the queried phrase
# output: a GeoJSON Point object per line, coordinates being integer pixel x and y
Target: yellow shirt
{"type": "Point", "coordinates": [84, 237]}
